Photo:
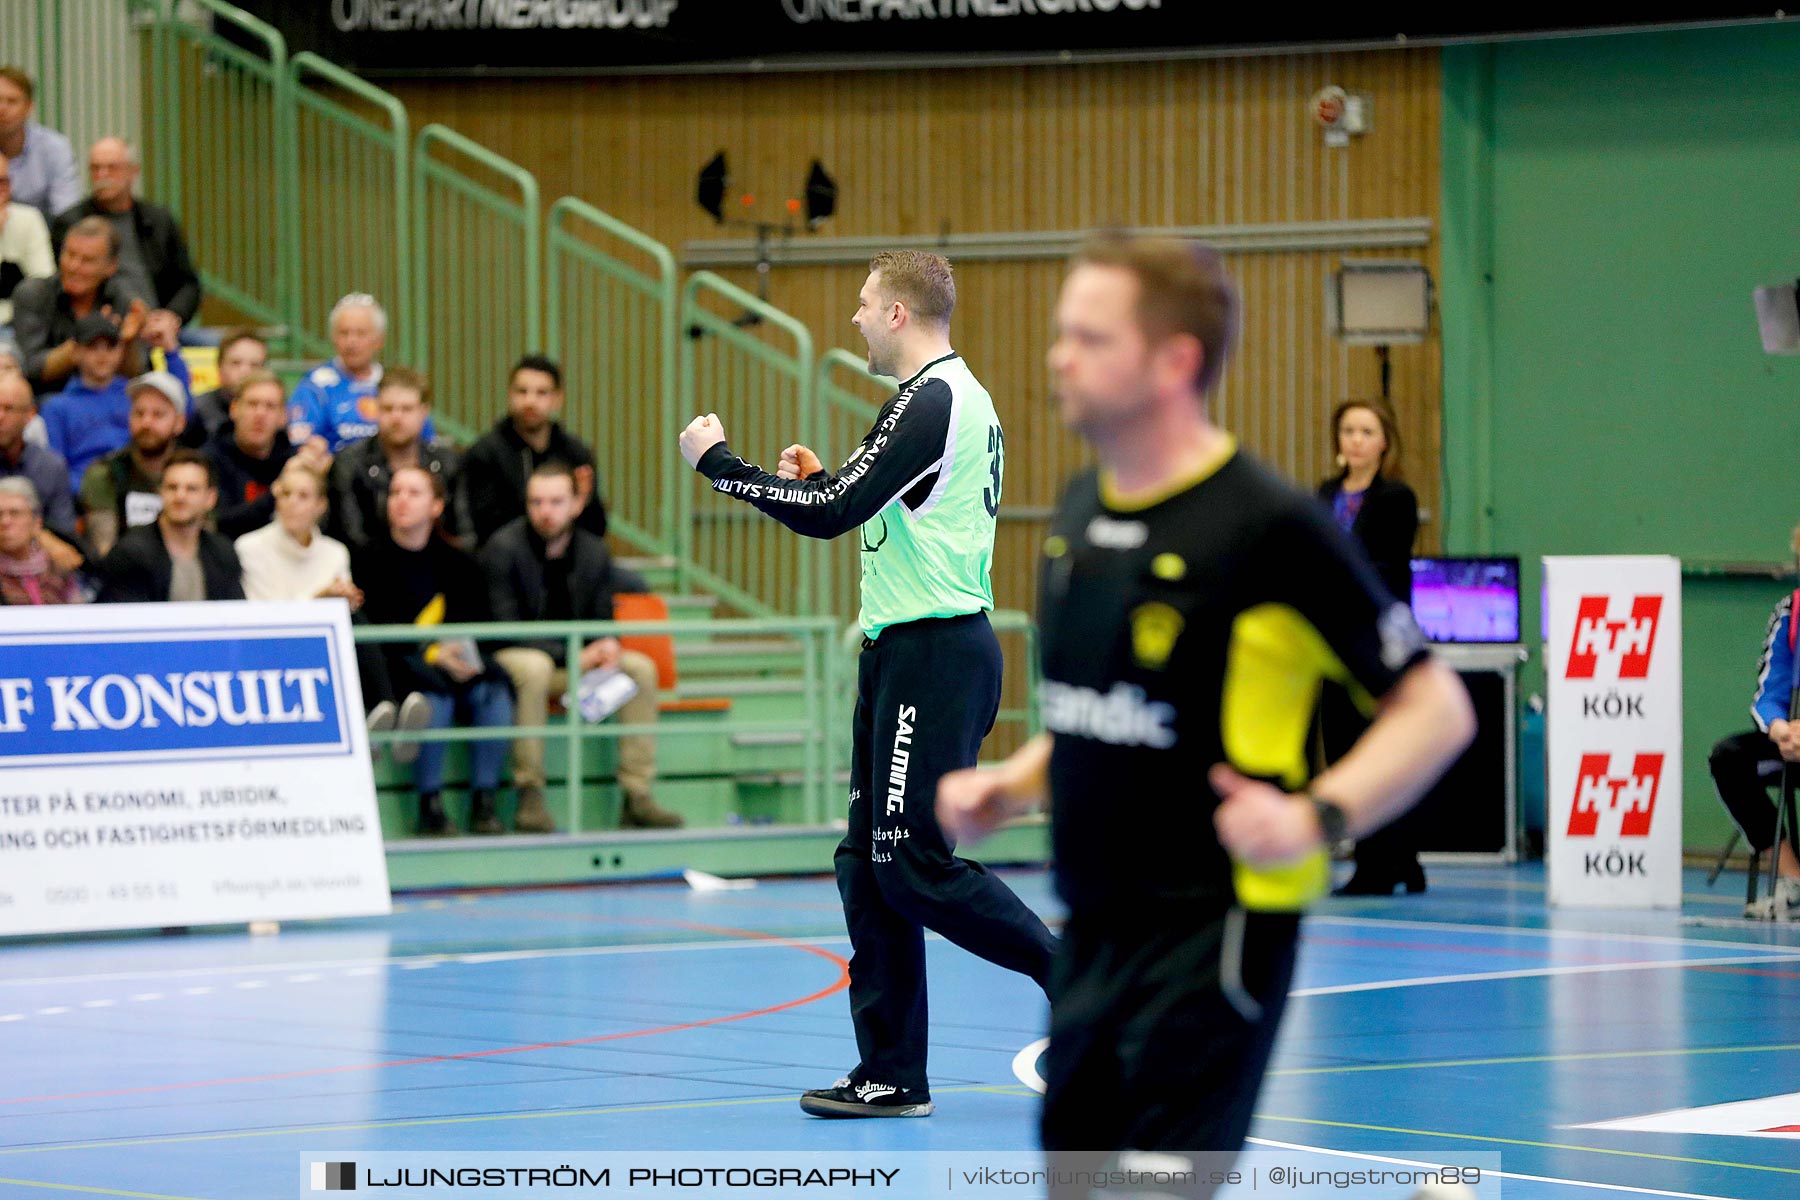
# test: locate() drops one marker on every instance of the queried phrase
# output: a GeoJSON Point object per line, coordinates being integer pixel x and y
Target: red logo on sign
{"type": "Point", "coordinates": [1597, 788]}
{"type": "Point", "coordinates": [1630, 640]}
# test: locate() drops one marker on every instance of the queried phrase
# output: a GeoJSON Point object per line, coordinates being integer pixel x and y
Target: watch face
{"type": "Point", "coordinates": [1331, 819]}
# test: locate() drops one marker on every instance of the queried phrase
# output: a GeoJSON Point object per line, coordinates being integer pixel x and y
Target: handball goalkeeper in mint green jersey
{"type": "Point", "coordinates": [924, 484]}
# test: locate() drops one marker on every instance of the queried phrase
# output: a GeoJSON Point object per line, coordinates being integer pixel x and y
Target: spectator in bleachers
{"type": "Point", "coordinates": [289, 558]}
{"type": "Point", "coordinates": [153, 253]}
{"type": "Point", "coordinates": [123, 489]}
{"type": "Point", "coordinates": [250, 451]}
{"type": "Point", "coordinates": [44, 467]}
{"type": "Point", "coordinates": [86, 284]}
{"type": "Point", "coordinates": [240, 352]}
{"type": "Point", "coordinates": [24, 246]}
{"type": "Point", "coordinates": [91, 417]}
{"type": "Point", "coordinates": [543, 567]}
{"type": "Point", "coordinates": [415, 576]}
{"type": "Point", "coordinates": [43, 162]}
{"type": "Point", "coordinates": [336, 400]}
{"type": "Point", "coordinates": [176, 558]}
{"type": "Point", "coordinates": [361, 473]}
{"type": "Point", "coordinates": [27, 574]}
{"type": "Point", "coordinates": [529, 435]}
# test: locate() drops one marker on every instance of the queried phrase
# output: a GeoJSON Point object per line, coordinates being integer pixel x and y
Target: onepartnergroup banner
{"type": "Point", "coordinates": [1297, 1173]}
{"type": "Point", "coordinates": [183, 764]}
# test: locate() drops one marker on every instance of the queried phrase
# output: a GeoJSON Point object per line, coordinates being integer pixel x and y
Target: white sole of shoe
{"type": "Point", "coordinates": [818, 1107]}
{"type": "Point", "coordinates": [414, 715]}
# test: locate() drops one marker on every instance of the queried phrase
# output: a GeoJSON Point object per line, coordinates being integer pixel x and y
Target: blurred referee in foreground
{"type": "Point", "coordinates": [1191, 602]}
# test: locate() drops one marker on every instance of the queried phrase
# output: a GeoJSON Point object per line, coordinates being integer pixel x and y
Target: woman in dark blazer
{"type": "Point", "coordinates": [1369, 501]}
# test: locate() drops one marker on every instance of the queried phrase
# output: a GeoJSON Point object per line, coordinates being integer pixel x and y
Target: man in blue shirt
{"type": "Point", "coordinates": [1745, 765]}
{"type": "Point", "coordinates": [43, 162]}
{"type": "Point", "coordinates": [336, 400]}
{"type": "Point", "coordinates": [92, 416]}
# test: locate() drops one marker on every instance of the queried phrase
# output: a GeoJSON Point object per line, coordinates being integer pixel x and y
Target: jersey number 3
{"type": "Point", "coordinates": [990, 496]}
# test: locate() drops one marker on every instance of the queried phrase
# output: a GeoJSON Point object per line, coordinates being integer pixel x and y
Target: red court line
{"type": "Point", "coordinates": [842, 982]}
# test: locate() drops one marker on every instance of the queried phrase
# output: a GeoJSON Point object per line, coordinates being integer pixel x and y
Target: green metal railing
{"type": "Point", "coordinates": [611, 300]}
{"type": "Point", "coordinates": [813, 636]}
{"type": "Point", "coordinates": [31, 36]}
{"type": "Point", "coordinates": [476, 298]}
{"type": "Point", "coordinates": [224, 158]}
{"type": "Point", "coordinates": [352, 224]}
{"type": "Point", "coordinates": [753, 365]}
{"type": "Point", "coordinates": [849, 396]}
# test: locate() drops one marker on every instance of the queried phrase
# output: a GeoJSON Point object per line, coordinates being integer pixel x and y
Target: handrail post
{"type": "Point", "coordinates": [796, 365]}
{"type": "Point", "coordinates": [560, 243]}
{"type": "Point", "coordinates": [528, 212]}
{"type": "Point", "coordinates": [572, 712]}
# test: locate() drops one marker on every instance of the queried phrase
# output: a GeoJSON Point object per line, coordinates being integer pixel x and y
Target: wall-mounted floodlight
{"type": "Point", "coordinates": [710, 190]}
{"type": "Point", "coordinates": [1778, 317]}
{"type": "Point", "coordinates": [1380, 301]}
{"type": "Point", "coordinates": [821, 195]}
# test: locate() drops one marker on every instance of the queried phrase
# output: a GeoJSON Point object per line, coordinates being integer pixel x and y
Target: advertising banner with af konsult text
{"type": "Point", "coordinates": [183, 764]}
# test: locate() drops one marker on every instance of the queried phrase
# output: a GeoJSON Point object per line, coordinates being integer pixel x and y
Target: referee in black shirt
{"type": "Point", "coordinates": [1191, 603]}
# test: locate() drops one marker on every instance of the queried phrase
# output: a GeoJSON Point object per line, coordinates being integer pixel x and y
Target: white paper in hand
{"type": "Point", "coordinates": [603, 692]}
{"type": "Point", "coordinates": [466, 650]}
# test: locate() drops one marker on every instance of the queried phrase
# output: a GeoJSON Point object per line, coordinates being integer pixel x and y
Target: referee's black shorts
{"type": "Point", "coordinates": [1160, 1031]}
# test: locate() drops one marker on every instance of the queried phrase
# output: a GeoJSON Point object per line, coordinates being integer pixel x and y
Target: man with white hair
{"type": "Point", "coordinates": [336, 401]}
{"type": "Point", "coordinates": [153, 252]}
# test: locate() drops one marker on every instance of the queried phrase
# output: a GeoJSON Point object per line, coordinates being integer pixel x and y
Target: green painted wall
{"type": "Point", "coordinates": [1609, 203]}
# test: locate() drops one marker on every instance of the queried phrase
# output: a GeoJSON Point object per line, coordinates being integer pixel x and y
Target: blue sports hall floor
{"type": "Point", "coordinates": [1594, 1053]}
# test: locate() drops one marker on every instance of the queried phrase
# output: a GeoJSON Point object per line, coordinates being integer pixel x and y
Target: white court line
{"type": "Point", "coordinates": [365, 967]}
{"type": "Point", "coordinates": [365, 964]}
{"type": "Point", "coordinates": [1407, 1162]}
{"type": "Point", "coordinates": [1024, 1066]}
{"type": "Point", "coordinates": [1652, 939]}
{"type": "Point", "coordinates": [1660, 964]}
{"type": "Point", "coordinates": [370, 965]}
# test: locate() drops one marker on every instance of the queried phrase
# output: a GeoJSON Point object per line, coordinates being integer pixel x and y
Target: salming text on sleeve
{"type": "Point", "coordinates": [923, 487]}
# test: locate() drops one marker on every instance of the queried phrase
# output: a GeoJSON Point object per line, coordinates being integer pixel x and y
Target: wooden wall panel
{"type": "Point", "coordinates": [1223, 141]}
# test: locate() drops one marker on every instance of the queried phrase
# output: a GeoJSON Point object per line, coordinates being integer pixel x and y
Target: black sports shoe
{"type": "Point", "coordinates": [867, 1099]}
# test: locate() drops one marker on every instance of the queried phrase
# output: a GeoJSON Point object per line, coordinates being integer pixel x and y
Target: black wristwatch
{"type": "Point", "coordinates": [1332, 821]}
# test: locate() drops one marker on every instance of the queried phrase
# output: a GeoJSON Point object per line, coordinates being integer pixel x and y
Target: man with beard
{"type": "Point", "coordinates": [123, 489]}
{"type": "Point", "coordinates": [526, 438]}
{"type": "Point", "coordinates": [176, 557]}
{"type": "Point", "coordinates": [544, 567]}
{"type": "Point", "coordinates": [250, 452]}
{"type": "Point", "coordinates": [361, 473]}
